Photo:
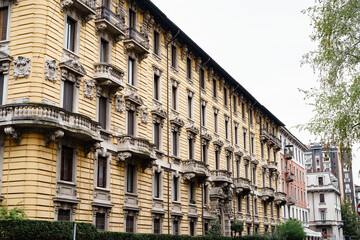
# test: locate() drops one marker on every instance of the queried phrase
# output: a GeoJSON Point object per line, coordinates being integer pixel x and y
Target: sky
{"type": "Point", "coordinates": [260, 43]}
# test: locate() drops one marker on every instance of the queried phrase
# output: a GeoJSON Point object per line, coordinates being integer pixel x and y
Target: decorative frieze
{"type": "Point", "coordinates": [51, 70]}
{"type": "Point", "coordinates": [22, 67]}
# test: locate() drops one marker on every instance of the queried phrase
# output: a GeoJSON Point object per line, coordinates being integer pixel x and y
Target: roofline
{"type": "Point", "coordinates": [168, 25]}
{"type": "Point", "coordinates": [305, 148]}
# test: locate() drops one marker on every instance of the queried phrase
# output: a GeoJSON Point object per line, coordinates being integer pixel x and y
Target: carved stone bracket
{"type": "Point", "coordinates": [198, 63]}
{"type": "Point", "coordinates": [92, 147]}
{"type": "Point", "coordinates": [51, 70]}
{"type": "Point", "coordinates": [210, 74]}
{"type": "Point", "coordinates": [218, 143]}
{"type": "Point", "coordinates": [184, 52]}
{"type": "Point", "coordinates": [89, 85]}
{"type": "Point", "coordinates": [22, 67]}
{"type": "Point", "coordinates": [192, 129]}
{"type": "Point", "coordinates": [53, 136]}
{"type": "Point", "coordinates": [13, 134]}
{"type": "Point", "coordinates": [158, 111]}
{"type": "Point", "coordinates": [122, 156]}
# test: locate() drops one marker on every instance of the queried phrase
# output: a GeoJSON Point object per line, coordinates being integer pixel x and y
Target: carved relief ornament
{"type": "Point", "coordinates": [22, 67]}
{"type": "Point", "coordinates": [51, 70]}
{"type": "Point", "coordinates": [89, 85]}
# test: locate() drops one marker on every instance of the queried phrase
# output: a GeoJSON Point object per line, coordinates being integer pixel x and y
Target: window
{"type": "Point", "coordinates": [131, 71]}
{"type": "Point", "coordinates": [262, 149]}
{"type": "Point", "coordinates": [323, 215]}
{"type": "Point", "coordinates": [203, 115]}
{"type": "Point", "coordinates": [265, 209]}
{"type": "Point", "coordinates": [174, 98]}
{"type": "Point", "coordinates": [246, 171]}
{"type": "Point", "coordinates": [234, 104]}
{"type": "Point", "coordinates": [101, 176]}
{"type": "Point", "coordinates": [255, 206]}
{"type": "Point", "coordinates": [252, 144]}
{"type": "Point", "coordinates": [157, 184]}
{"type": "Point", "coordinates": [104, 51]}
{"type": "Point", "coordinates": [190, 114]}
{"type": "Point", "coordinates": [244, 138]}
{"type": "Point", "coordinates": [66, 164]}
{"type": "Point", "coordinates": [132, 18]}
{"type": "Point", "coordinates": [131, 122]}
{"type": "Point", "coordinates": [322, 198]}
{"type": "Point", "coordinates": [157, 226]}
{"type": "Point", "coordinates": [202, 78]}
{"type": "Point", "coordinates": [321, 181]}
{"type": "Point", "coordinates": [225, 97]}
{"type": "Point", "coordinates": [130, 180]}
{"type": "Point", "coordinates": [239, 207]}
{"type": "Point", "coordinates": [157, 43]}
{"type": "Point", "coordinates": [217, 160]}
{"type": "Point", "coordinates": [100, 221]}
{"type": "Point", "coordinates": [68, 97]}
{"type": "Point", "coordinates": [192, 228]}
{"type": "Point", "coordinates": [176, 227]}
{"type": "Point", "coordinates": [102, 111]}
{"type": "Point", "coordinates": [70, 34]}
{"type": "Point", "coordinates": [204, 153]}
{"type": "Point", "coordinates": [214, 82]}
{"type": "Point", "coordinates": [248, 204]}
{"type": "Point", "coordinates": [216, 120]}
{"type": "Point", "coordinates": [64, 215]}
{"type": "Point", "coordinates": [254, 175]}
{"type": "Point", "coordinates": [2, 88]}
{"type": "Point", "coordinates": [176, 188]}
{"type": "Point", "coordinates": [263, 179]}
{"type": "Point", "coordinates": [130, 224]}
{"type": "Point", "coordinates": [175, 143]}
{"type": "Point", "coordinates": [205, 194]}
{"type": "Point", "coordinates": [236, 132]}
{"type": "Point", "coordinates": [191, 148]}
{"type": "Point", "coordinates": [251, 116]}
{"type": "Point", "coordinates": [3, 22]}
{"type": "Point", "coordinates": [188, 68]}
{"type": "Point", "coordinates": [226, 128]}
{"type": "Point", "coordinates": [243, 110]}
{"type": "Point", "coordinates": [157, 137]}
{"type": "Point", "coordinates": [237, 165]}
{"type": "Point", "coordinates": [228, 163]}
{"type": "Point", "coordinates": [156, 87]}
{"type": "Point", "coordinates": [173, 56]}
{"type": "Point", "coordinates": [192, 193]}
{"type": "Point", "coordinates": [272, 209]}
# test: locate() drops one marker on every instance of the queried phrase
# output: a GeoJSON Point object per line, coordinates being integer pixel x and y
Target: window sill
{"type": "Point", "coordinates": [189, 80]}
{"type": "Point", "coordinates": [157, 57]}
{"type": "Point", "coordinates": [160, 199]}
{"type": "Point", "coordinates": [174, 69]}
{"type": "Point", "coordinates": [67, 182]}
{"type": "Point", "coordinates": [102, 189]}
{"type": "Point", "coordinates": [132, 194]}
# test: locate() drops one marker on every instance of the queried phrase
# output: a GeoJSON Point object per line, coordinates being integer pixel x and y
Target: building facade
{"type": "Point", "coordinates": [325, 204]}
{"type": "Point", "coordinates": [111, 114]}
{"type": "Point", "coordinates": [293, 177]}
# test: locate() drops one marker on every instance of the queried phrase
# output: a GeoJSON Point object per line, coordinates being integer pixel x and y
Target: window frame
{"type": "Point", "coordinates": [157, 43]}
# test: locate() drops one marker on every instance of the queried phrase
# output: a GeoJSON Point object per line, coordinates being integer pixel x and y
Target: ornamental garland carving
{"type": "Point", "coordinates": [51, 70]}
{"type": "Point", "coordinates": [89, 85]}
{"type": "Point", "coordinates": [144, 114]}
{"type": "Point", "coordinates": [22, 67]}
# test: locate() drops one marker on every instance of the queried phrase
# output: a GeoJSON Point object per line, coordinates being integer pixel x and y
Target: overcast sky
{"type": "Point", "coordinates": [260, 43]}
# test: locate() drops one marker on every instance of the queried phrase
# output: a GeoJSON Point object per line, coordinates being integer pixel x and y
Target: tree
{"type": "Point", "coordinates": [292, 229]}
{"type": "Point", "coordinates": [237, 227]}
{"type": "Point", "coordinates": [336, 30]}
{"type": "Point", "coordinates": [351, 225]}
{"type": "Point", "coordinates": [16, 213]}
{"type": "Point", "coordinates": [215, 228]}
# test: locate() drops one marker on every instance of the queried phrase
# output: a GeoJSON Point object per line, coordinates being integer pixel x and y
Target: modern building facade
{"type": "Point", "coordinates": [293, 177]}
{"type": "Point", "coordinates": [325, 204]}
{"type": "Point", "coordinates": [111, 114]}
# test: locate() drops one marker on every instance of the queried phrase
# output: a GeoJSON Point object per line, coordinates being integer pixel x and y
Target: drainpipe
{"type": "Point", "coordinates": [168, 125]}
{"type": "Point", "coordinates": [252, 172]}
{"type": "Point", "coordinates": [201, 153]}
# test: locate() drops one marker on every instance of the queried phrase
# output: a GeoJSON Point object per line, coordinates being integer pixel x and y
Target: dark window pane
{"type": "Point", "coordinates": [131, 71]}
{"type": "Point", "coordinates": [173, 56]}
{"type": "Point", "coordinates": [64, 215]}
{"type": "Point", "coordinates": [66, 163]}
{"type": "Point", "coordinates": [1, 88]}
{"type": "Point", "coordinates": [132, 18]}
{"type": "Point", "coordinates": [175, 183]}
{"type": "Point", "coordinates": [70, 34]}
{"type": "Point", "coordinates": [130, 224]}
{"type": "Point", "coordinates": [102, 112]}
{"type": "Point", "coordinates": [157, 135]}
{"type": "Point", "coordinates": [176, 227]}
{"type": "Point", "coordinates": [192, 228]}
{"type": "Point", "coordinates": [102, 172]}
{"type": "Point", "coordinates": [157, 185]}
{"type": "Point", "coordinates": [130, 178]}
{"type": "Point", "coordinates": [174, 98]}
{"type": "Point", "coordinates": [156, 43]}
{"type": "Point", "coordinates": [202, 78]}
{"type": "Point", "coordinates": [175, 143]}
{"type": "Point", "coordinates": [104, 51]}
{"type": "Point", "coordinates": [188, 68]}
{"type": "Point", "coordinates": [130, 123]}
{"type": "Point", "coordinates": [100, 221]}
{"type": "Point", "coordinates": [214, 88]}
{"type": "Point", "coordinates": [3, 22]}
{"type": "Point", "coordinates": [156, 87]}
{"type": "Point", "coordinates": [68, 96]}
{"type": "Point", "coordinates": [157, 225]}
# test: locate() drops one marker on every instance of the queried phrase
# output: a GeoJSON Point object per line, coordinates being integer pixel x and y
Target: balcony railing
{"type": "Point", "coordinates": [291, 201]}
{"type": "Point", "coordinates": [85, 7]}
{"type": "Point", "coordinates": [267, 193]}
{"type": "Point", "coordinates": [280, 198]}
{"type": "Point", "coordinates": [272, 165]}
{"type": "Point", "coordinates": [195, 169]}
{"type": "Point", "coordinates": [264, 135]}
{"type": "Point", "coordinates": [220, 176]}
{"type": "Point", "coordinates": [107, 74]}
{"type": "Point", "coordinates": [242, 184]}
{"type": "Point", "coordinates": [43, 116]}
{"type": "Point", "coordinates": [113, 22]}
{"type": "Point", "coordinates": [136, 41]}
{"type": "Point", "coordinates": [289, 176]}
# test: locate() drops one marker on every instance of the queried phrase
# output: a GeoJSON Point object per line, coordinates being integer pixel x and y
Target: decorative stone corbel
{"type": "Point", "coordinates": [210, 74]}
{"type": "Point", "coordinates": [13, 134]}
{"type": "Point", "coordinates": [122, 156]}
{"type": "Point", "coordinates": [198, 63]}
{"type": "Point", "coordinates": [92, 147]}
{"type": "Point", "coordinates": [184, 52]}
{"type": "Point", "coordinates": [22, 67]}
{"type": "Point", "coordinates": [53, 136]}
{"type": "Point", "coordinates": [51, 70]}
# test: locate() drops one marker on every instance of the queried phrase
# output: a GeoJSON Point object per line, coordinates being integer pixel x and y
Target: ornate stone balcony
{"type": "Point", "coordinates": [280, 198]}
{"type": "Point", "coordinates": [242, 184]}
{"type": "Point", "coordinates": [137, 42]}
{"type": "Point", "coordinates": [291, 201]}
{"type": "Point", "coordinates": [195, 169]}
{"type": "Point", "coordinates": [264, 135]}
{"type": "Point", "coordinates": [53, 121]}
{"type": "Point", "coordinates": [277, 144]}
{"type": "Point", "coordinates": [289, 176]}
{"type": "Point", "coordinates": [272, 166]}
{"type": "Point", "coordinates": [288, 154]}
{"type": "Point", "coordinates": [109, 75]}
{"type": "Point", "coordinates": [87, 8]}
{"type": "Point", "coordinates": [267, 194]}
{"type": "Point", "coordinates": [136, 150]}
{"type": "Point", "coordinates": [221, 176]}
{"type": "Point", "coordinates": [107, 20]}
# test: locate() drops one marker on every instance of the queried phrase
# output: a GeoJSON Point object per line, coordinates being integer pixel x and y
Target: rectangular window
{"type": "Point", "coordinates": [100, 221]}
{"type": "Point", "coordinates": [216, 122]}
{"type": "Point", "coordinates": [247, 171]}
{"type": "Point", "coordinates": [192, 197]}
{"type": "Point", "coordinates": [104, 48]}
{"type": "Point", "coordinates": [191, 148]}
{"type": "Point", "coordinates": [130, 224]}
{"type": "Point", "coordinates": [190, 107]}
{"type": "Point", "coordinates": [132, 18]}
{"type": "Point", "coordinates": [173, 56]}
{"type": "Point", "coordinates": [272, 209]}
{"type": "Point", "coordinates": [66, 164]}
{"type": "Point", "coordinates": [192, 228]}
{"type": "Point", "coordinates": [262, 149]}
{"type": "Point", "coordinates": [234, 103]}
{"type": "Point", "coordinates": [217, 160]}
{"type": "Point", "coordinates": [131, 71]}
{"type": "Point", "coordinates": [130, 178]}
{"type": "Point", "coordinates": [64, 215]}
{"type": "Point", "coordinates": [205, 194]}
{"type": "Point", "coordinates": [188, 68]}
{"type": "Point", "coordinates": [204, 153]}
{"type": "Point", "coordinates": [157, 137]}
{"type": "Point", "coordinates": [3, 22]}
{"type": "Point", "coordinates": [1, 88]}
{"type": "Point", "coordinates": [237, 165]}
{"type": "Point", "coordinates": [70, 34]}
{"type": "Point", "coordinates": [255, 206]}
{"type": "Point", "coordinates": [157, 45]}
{"type": "Point", "coordinates": [243, 110]}
{"type": "Point", "coordinates": [157, 184]}
{"type": "Point", "coordinates": [251, 116]}
{"type": "Point", "coordinates": [202, 78]}
{"type": "Point", "coordinates": [156, 87]}
{"type": "Point", "coordinates": [68, 97]}
{"type": "Point", "coordinates": [101, 180]}
{"type": "Point", "coordinates": [244, 139]}
{"type": "Point", "coordinates": [322, 198]}
{"type": "Point", "coordinates": [323, 215]}
{"type": "Point", "coordinates": [248, 204]}
{"type": "Point", "coordinates": [102, 112]}
{"type": "Point", "coordinates": [175, 143]}
{"type": "Point", "coordinates": [236, 132]}
{"type": "Point", "coordinates": [214, 88]}
{"type": "Point", "coordinates": [226, 129]}
{"type": "Point", "coordinates": [174, 104]}
{"type": "Point", "coordinates": [228, 163]}
{"type": "Point", "coordinates": [131, 123]}
{"type": "Point", "coordinates": [225, 97]}
{"type": "Point", "coordinates": [176, 188]}
{"type": "Point", "coordinates": [321, 181]}
{"type": "Point", "coordinates": [252, 144]}
{"type": "Point", "coordinates": [265, 209]}
{"type": "Point", "coordinates": [203, 115]}
{"type": "Point", "coordinates": [239, 207]}
{"type": "Point", "coordinates": [157, 225]}
{"type": "Point", "coordinates": [176, 227]}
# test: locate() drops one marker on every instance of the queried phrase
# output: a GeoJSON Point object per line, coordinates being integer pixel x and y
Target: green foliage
{"type": "Point", "coordinates": [291, 229]}
{"type": "Point", "coordinates": [16, 213]}
{"type": "Point", "coordinates": [192, 201]}
{"type": "Point", "coordinates": [336, 59]}
{"type": "Point", "coordinates": [351, 226]}
{"type": "Point", "coordinates": [237, 227]}
{"type": "Point", "coordinates": [215, 228]}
